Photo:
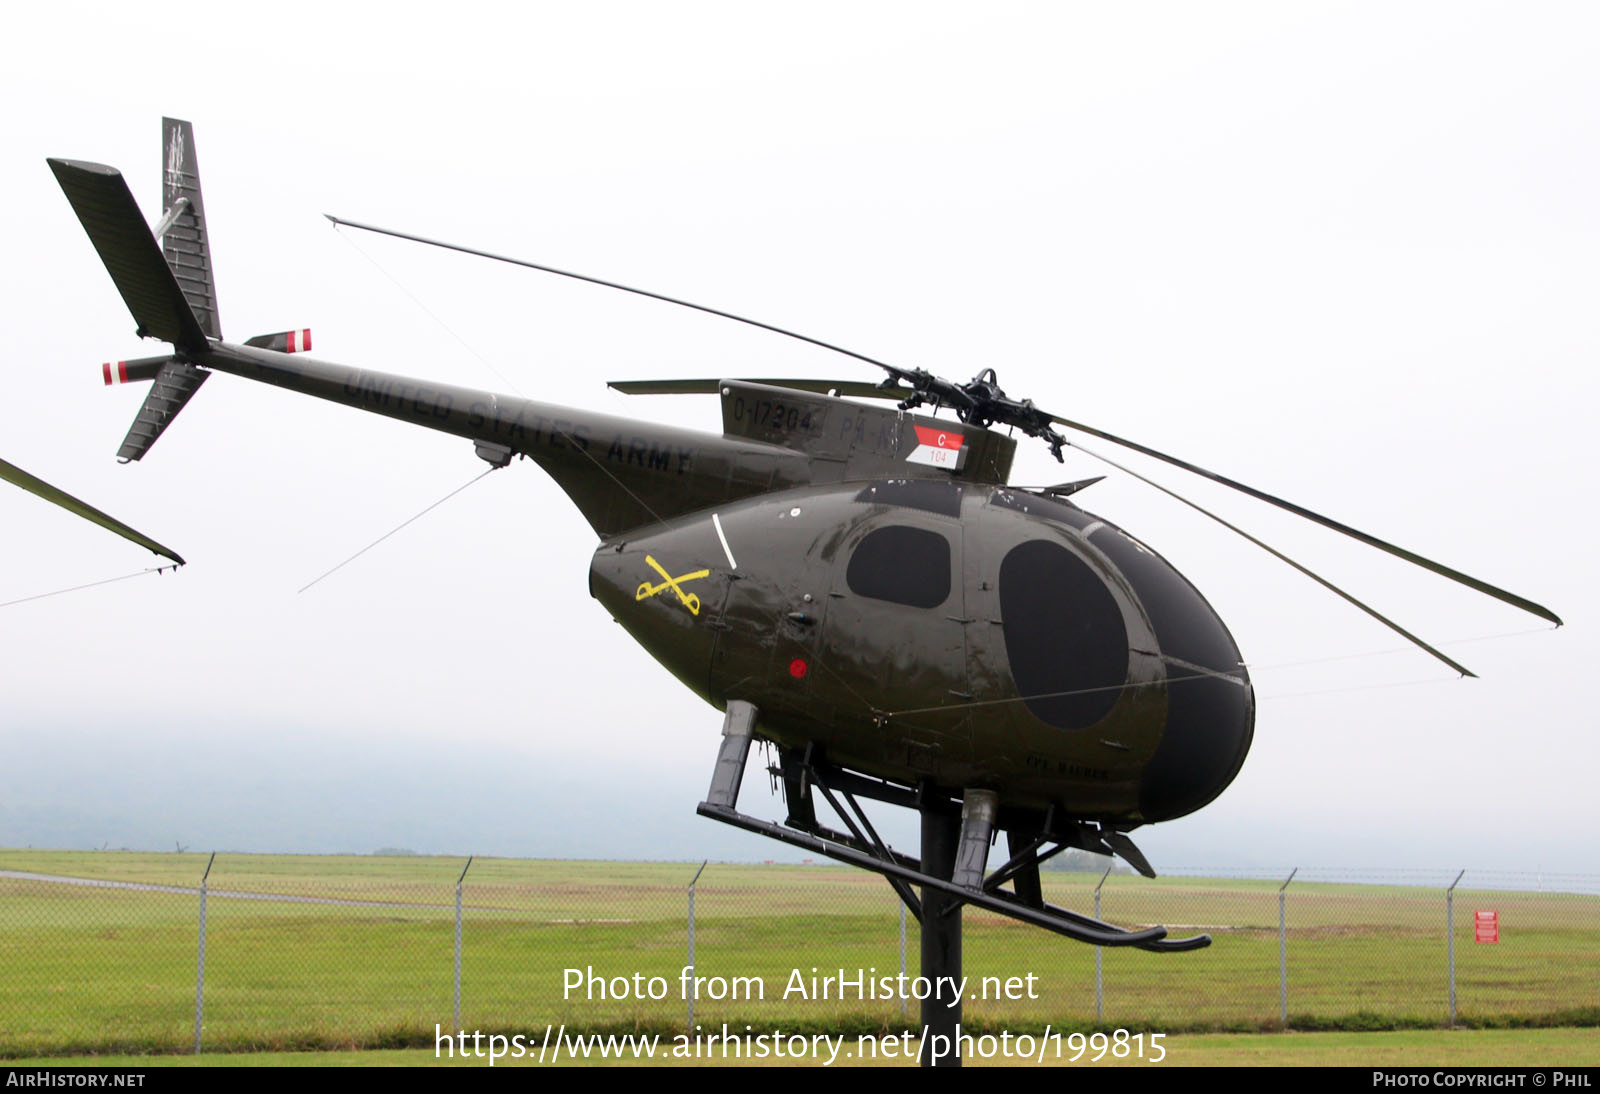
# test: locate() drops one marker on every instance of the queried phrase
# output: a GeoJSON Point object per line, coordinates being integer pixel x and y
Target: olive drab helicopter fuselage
{"type": "Point", "coordinates": [921, 622]}
{"type": "Point", "coordinates": [854, 583]}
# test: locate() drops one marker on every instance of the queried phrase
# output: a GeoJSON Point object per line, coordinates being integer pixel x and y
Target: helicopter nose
{"type": "Point", "coordinates": [1210, 723]}
{"type": "Point", "coordinates": [1210, 703]}
{"type": "Point", "coordinates": [662, 599]}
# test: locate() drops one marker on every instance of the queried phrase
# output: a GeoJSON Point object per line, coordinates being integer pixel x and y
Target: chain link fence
{"type": "Point", "coordinates": [121, 951]}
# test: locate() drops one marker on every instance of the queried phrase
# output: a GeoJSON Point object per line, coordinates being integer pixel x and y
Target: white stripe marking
{"type": "Point", "coordinates": [717, 524]}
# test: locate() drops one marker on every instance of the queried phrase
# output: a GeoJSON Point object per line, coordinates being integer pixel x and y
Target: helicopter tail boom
{"type": "Point", "coordinates": [620, 473]}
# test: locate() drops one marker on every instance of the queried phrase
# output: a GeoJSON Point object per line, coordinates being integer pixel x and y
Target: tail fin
{"type": "Point", "coordinates": [169, 289]}
{"type": "Point", "coordinates": [182, 230]}
{"type": "Point", "coordinates": [100, 197]}
{"type": "Point", "coordinates": [175, 382]}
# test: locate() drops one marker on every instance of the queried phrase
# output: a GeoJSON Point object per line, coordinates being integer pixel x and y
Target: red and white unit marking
{"type": "Point", "coordinates": [937, 447]}
{"type": "Point", "coordinates": [299, 341]}
{"type": "Point", "coordinates": [114, 372]}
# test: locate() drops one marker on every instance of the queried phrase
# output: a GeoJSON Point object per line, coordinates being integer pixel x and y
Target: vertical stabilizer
{"type": "Point", "coordinates": [184, 243]}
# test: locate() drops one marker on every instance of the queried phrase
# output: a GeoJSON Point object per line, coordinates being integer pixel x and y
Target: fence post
{"type": "Point", "coordinates": [1099, 991]}
{"type": "Point", "coordinates": [1283, 953]}
{"type": "Point", "coordinates": [902, 958]}
{"type": "Point", "coordinates": [200, 959]}
{"type": "Point", "coordinates": [690, 991]}
{"type": "Point", "coordinates": [1450, 933]}
{"type": "Point", "coordinates": [456, 1023]}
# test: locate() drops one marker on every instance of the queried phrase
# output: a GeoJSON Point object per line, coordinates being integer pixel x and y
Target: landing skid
{"type": "Point", "coordinates": [804, 771]}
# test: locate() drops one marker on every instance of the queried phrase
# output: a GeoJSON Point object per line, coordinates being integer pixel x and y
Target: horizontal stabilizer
{"type": "Point", "coordinates": [100, 197]}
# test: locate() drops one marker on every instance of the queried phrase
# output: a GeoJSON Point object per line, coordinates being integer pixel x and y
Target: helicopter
{"type": "Point", "coordinates": [858, 585]}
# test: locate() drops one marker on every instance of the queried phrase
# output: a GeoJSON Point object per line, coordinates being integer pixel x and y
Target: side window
{"type": "Point", "coordinates": [1064, 635]}
{"type": "Point", "coordinates": [909, 566]}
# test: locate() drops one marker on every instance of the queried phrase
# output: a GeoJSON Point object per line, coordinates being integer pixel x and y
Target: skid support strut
{"type": "Point", "coordinates": [950, 873]}
{"type": "Point", "coordinates": [737, 729]}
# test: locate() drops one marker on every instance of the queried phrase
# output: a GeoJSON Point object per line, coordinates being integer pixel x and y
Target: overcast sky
{"type": "Point", "coordinates": [1344, 252]}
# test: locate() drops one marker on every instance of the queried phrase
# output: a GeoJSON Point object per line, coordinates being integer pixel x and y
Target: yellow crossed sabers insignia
{"type": "Point", "coordinates": [690, 601]}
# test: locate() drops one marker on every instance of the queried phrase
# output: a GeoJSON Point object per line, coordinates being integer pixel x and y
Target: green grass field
{"type": "Point", "coordinates": [1548, 1048]}
{"type": "Point", "coordinates": [96, 969]}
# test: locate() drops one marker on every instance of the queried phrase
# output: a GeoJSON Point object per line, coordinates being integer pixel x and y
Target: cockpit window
{"type": "Point", "coordinates": [1064, 635]}
{"type": "Point", "coordinates": [1185, 625]}
{"type": "Point", "coordinates": [902, 565]}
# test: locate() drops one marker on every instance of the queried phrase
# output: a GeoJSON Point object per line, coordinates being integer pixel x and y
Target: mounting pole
{"type": "Point", "coordinates": [941, 933]}
{"type": "Point", "coordinates": [1099, 955]}
{"type": "Point", "coordinates": [200, 957]}
{"type": "Point", "coordinates": [1450, 933]}
{"type": "Point", "coordinates": [1283, 953]}
{"type": "Point", "coordinates": [459, 880]}
{"type": "Point", "coordinates": [693, 988]}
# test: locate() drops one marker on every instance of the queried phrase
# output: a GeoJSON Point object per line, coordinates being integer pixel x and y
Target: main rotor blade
{"type": "Point", "coordinates": [873, 391]}
{"type": "Point", "coordinates": [1275, 553]}
{"type": "Point", "coordinates": [857, 388]}
{"type": "Point", "coordinates": [338, 221]}
{"type": "Point", "coordinates": [12, 473]}
{"type": "Point", "coordinates": [1327, 522]}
